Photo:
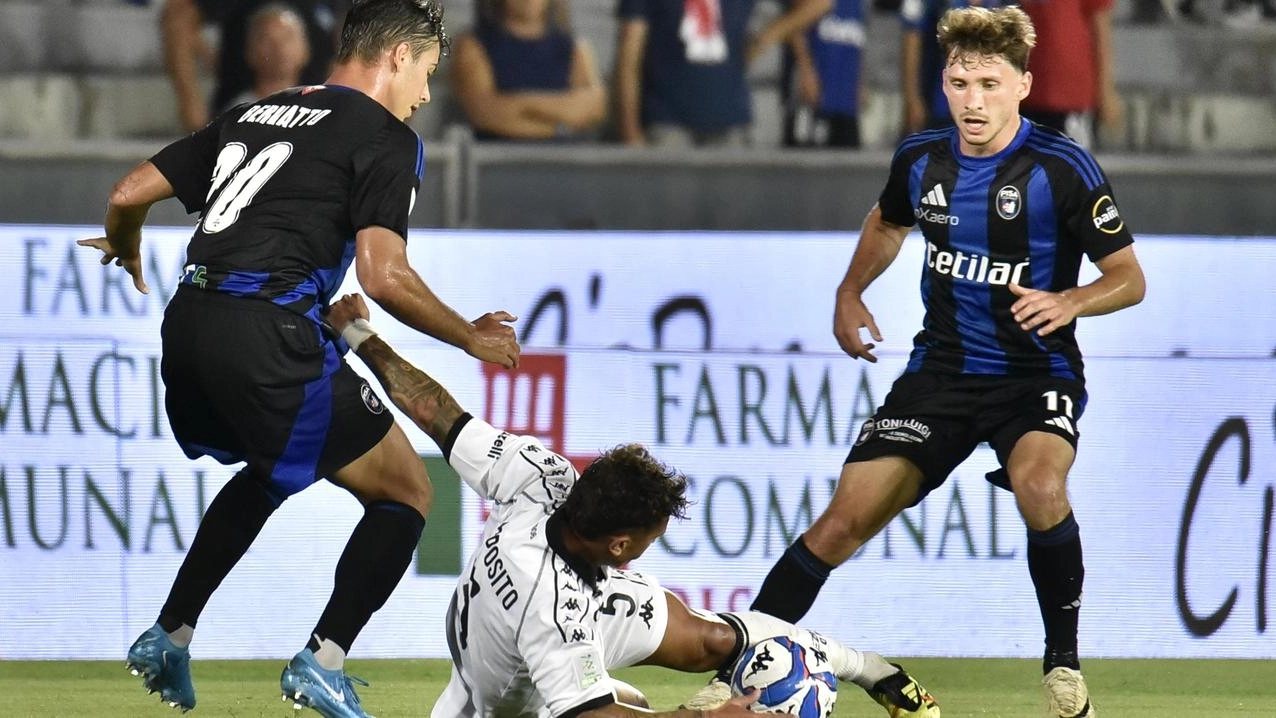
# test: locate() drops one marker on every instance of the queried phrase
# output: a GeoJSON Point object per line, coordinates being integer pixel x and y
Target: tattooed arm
{"type": "Point", "coordinates": [416, 393]}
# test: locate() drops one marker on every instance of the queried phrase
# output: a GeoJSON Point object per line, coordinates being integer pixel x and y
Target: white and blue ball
{"type": "Point", "coordinates": [789, 677]}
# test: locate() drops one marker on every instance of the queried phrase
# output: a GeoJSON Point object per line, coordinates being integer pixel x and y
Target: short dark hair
{"type": "Point", "coordinates": [625, 489]}
{"type": "Point", "coordinates": [974, 31]}
{"type": "Point", "coordinates": [374, 26]}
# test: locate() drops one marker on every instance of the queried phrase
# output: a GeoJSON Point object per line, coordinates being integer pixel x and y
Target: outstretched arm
{"type": "Point", "coordinates": [381, 264]}
{"type": "Point", "coordinates": [416, 393]}
{"type": "Point", "coordinates": [425, 401]}
{"type": "Point", "coordinates": [126, 212]}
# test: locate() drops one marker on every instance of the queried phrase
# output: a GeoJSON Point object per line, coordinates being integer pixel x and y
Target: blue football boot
{"type": "Point", "coordinates": [164, 667]}
{"type": "Point", "coordinates": [309, 685]}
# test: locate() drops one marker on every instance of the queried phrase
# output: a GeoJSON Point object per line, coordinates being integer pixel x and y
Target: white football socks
{"type": "Point", "coordinates": [182, 636]}
{"type": "Point", "coordinates": [330, 656]}
{"type": "Point", "coordinates": [863, 668]}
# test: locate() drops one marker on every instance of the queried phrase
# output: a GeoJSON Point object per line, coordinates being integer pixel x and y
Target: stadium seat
{"type": "Point", "coordinates": [881, 114]}
{"type": "Point", "coordinates": [1231, 123]}
{"type": "Point", "coordinates": [80, 35]}
{"type": "Point", "coordinates": [596, 22]}
{"type": "Point", "coordinates": [122, 106]}
{"type": "Point", "coordinates": [39, 106]}
{"type": "Point", "coordinates": [768, 117]}
{"type": "Point", "coordinates": [23, 42]}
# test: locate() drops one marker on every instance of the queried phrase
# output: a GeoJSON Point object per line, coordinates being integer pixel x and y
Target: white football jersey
{"type": "Point", "coordinates": [524, 625]}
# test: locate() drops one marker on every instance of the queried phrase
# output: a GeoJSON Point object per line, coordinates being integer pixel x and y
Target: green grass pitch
{"type": "Point", "coordinates": [964, 687]}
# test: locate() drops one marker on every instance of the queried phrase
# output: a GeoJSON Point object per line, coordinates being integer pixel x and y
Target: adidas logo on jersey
{"type": "Point", "coordinates": [935, 197]}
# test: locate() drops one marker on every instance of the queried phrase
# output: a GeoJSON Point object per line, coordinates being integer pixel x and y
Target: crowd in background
{"type": "Point", "coordinates": [680, 69]}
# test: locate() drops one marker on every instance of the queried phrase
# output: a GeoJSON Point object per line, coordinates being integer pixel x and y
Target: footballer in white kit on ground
{"type": "Point", "coordinates": [524, 625]}
{"type": "Point", "coordinates": [543, 609]}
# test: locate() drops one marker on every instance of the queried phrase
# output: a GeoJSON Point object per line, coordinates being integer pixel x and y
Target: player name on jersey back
{"type": "Point", "coordinates": [283, 115]}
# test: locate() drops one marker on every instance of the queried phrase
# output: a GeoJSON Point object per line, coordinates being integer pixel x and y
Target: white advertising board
{"type": "Point", "coordinates": [715, 350]}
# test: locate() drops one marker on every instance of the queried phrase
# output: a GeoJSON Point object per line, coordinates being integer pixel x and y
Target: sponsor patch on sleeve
{"type": "Point", "coordinates": [1105, 216]}
{"type": "Point", "coordinates": [588, 667]}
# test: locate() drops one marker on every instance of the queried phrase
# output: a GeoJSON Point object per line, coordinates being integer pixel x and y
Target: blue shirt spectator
{"type": "Point", "coordinates": [822, 87]}
{"type": "Point", "coordinates": [681, 67]}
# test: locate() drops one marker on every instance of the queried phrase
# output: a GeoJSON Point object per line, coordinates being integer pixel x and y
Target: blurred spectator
{"type": "Point", "coordinates": [1239, 14]}
{"type": "Point", "coordinates": [680, 68]}
{"type": "Point", "coordinates": [182, 22]}
{"type": "Point", "coordinates": [522, 75]}
{"type": "Point", "coordinates": [822, 80]}
{"type": "Point", "coordinates": [1146, 12]}
{"type": "Point", "coordinates": [1073, 82]}
{"type": "Point", "coordinates": [921, 68]}
{"type": "Point", "coordinates": [277, 51]}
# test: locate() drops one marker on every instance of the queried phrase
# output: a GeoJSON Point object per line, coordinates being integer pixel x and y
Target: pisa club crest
{"type": "Point", "coordinates": [1008, 202]}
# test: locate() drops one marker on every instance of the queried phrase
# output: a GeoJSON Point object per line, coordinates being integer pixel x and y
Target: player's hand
{"type": "Point", "coordinates": [738, 705]}
{"type": "Point", "coordinates": [346, 310]}
{"type": "Point", "coordinates": [849, 317]}
{"type": "Point", "coordinates": [1043, 311]}
{"type": "Point", "coordinates": [494, 340]}
{"type": "Point", "coordinates": [132, 265]}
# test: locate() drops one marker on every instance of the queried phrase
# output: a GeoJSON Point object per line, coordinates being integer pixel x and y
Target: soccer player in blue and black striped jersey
{"type": "Point", "coordinates": [1007, 210]}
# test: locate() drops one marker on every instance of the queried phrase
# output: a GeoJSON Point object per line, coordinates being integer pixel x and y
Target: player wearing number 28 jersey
{"type": "Point", "coordinates": [291, 191]}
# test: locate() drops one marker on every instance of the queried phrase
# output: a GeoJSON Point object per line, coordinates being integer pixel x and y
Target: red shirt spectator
{"type": "Point", "coordinates": [1072, 65]}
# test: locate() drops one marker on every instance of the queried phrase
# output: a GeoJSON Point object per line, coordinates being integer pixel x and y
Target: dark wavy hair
{"type": "Point", "coordinates": [374, 26]}
{"type": "Point", "coordinates": [625, 489]}
{"type": "Point", "coordinates": [974, 31]}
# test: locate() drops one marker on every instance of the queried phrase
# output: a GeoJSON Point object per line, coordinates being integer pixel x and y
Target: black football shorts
{"type": "Point", "coordinates": [246, 380]}
{"type": "Point", "coordinates": [937, 420]}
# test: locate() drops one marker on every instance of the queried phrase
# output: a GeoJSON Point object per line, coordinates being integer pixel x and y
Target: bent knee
{"type": "Point", "coordinates": [411, 487]}
{"type": "Point", "coordinates": [1042, 498]}
{"type": "Point", "coordinates": [718, 645]}
{"type": "Point", "coordinates": [836, 535]}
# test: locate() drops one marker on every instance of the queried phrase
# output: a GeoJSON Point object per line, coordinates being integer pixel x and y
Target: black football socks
{"type": "Point", "coordinates": [1054, 562]}
{"type": "Point", "coordinates": [375, 558]}
{"type": "Point", "coordinates": [793, 583]}
{"type": "Point", "coordinates": [229, 527]}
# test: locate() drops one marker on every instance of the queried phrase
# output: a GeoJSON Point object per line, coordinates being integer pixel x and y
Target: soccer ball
{"type": "Point", "coordinates": [789, 677]}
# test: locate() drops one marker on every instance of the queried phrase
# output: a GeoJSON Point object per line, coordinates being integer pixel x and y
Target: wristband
{"type": "Point", "coordinates": [357, 332]}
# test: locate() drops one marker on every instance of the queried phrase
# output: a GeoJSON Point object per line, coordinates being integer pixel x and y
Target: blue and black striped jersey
{"type": "Point", "coordinates": [283, 185]}
{"type": "Point", "coordinates": [1025, 215]}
